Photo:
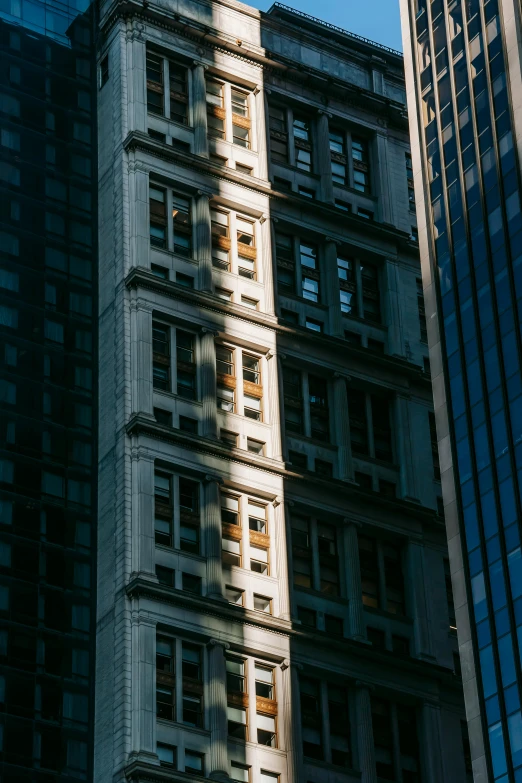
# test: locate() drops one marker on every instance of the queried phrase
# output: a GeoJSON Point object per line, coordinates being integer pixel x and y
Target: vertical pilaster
{"type": "Point", "coordinates": [136, 77]}
{"type": "Point", "coordinates": [383, 173]}
{"type": "Point", "coordinates": [365, 744]}
{"type": "Point", "coordinates": [274, 411]}
{"type": "Point", "coordinates": [261, 133]}
{"type": "Point", "coordinates": [333, 291]}
{"type": "Point", "coordinates": [342, 428]}
{"type": "Point", "coordinates": [431, 743]}
{"type": "Point", "coordinates": [293, 742]}
{"type": "Point", "coordinates": [212, 537]}
{"type": "Point", "coordinates": [323, 156]}
{"type": "Point", "coordinates": [208, 384]}
{"type": "Point", "coordinates": [139, 239]}
{"type": "Point", "coordinates": [217, 709]}
{"type": "Point", "coordinates": [143, 714]}
{"type": "Point", "coordinates": [143, 543]}
{"type": "Point", "coordinates": [420, 591]}
{"type": "Point", "coordinates": [282, 543]}
{"type": "Point", "coordinates": [204, 240]}
{"type": "Point", "coordinates": [199, 100]}
{"type": "Point", "coordinates": [405, 449]}
{"type": "Point", "coordinates": [268, 266]}
{"type": "Point", "coordinates": [272, 227]}
{"type": "Point", "coordinates": [393, 309]}
{"type": "Point", "coordinates": [353, 581]}
{"type": "Point", "coordinates": [141, 356]}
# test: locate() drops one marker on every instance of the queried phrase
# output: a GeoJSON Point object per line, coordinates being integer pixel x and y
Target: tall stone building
{"type": "Point", "coordinates": [463, 73]}
{"type": "Point", "coordinates": [274, 601]}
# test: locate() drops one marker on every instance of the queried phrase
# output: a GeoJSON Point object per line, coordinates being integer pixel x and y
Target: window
{"type": "Point", "coordinates": [191, 583]}
{"type": "Point", "coordinates": [309, 272]}
{"type": "Point", "coordinates": [268, 777]}
{"type": "Point", "coordinates": [154, 66]}
{"type": "Point", "coordinates": [252, 304]}
{"type": "Point", "coordinates": [159, 271]}
{"type": "Point", "coordinates": [338, 156]}
{"type": "Point", "coordinates": [400, 645]}
{"type": "Point", "coordinates": [246, 249]}
{"type": "Point", "coordinates": [221, 99]}
{"type": "Point", "coordinates": [185, 365]}
{"type": "Point", "coordinates": [434, 447]}
{"type": "Point", "coordinates": [259, 560]}
{"type": "Point", "coordinates": [328, 560]}
{"type": "Point", "coordinates": [104, 70]}
{"type": "Point", "coordinates": [167, 754]}
{"type": "Point", "coordinates": [240, 117]}
{"type": "Point", "coordinates": [158, 216]}
{"type": "Point", "coordinates": [370, 436]}
{"type": "Point", "coordinates": [391, 720]}
{"type": "Point", "coordinates": [194, 762]}
{"type": "Point", "coordinates": [266, 729]}
{"type": "Point", "coordinates": [361, 168]}
{"type": "Point", "coordinates": [175, 75]}
{"type": "Point", "coordinates": [262, 604]}
{"type": "Point", "coordinates": [234, 595]}
{"type": "Point", "coordinates": [189, 515]}
{"type": "Point", "coordinates": [229, 438]}
{"type": "Point", "coordinates": [256, 516]}
{"type": "Point", "coordinates": [422, 313]}
{"type": "Point", "coordinates": [301, 551]}
{"type": "Point", "coordinates": [163, 507]}
{"type": "Point", "coordinates": [165, 678]}
{"type": "Point", "coordinates": [252, 390]}
{"type": "Point", "coordinates": [370, 292]}
{"type": "Point", "coordinates": [381, 570]}
{"type": "Point", "coordinates": [165, 576]}
{"type": "Point", "coordinates": [285, 259]}
{"type": "Point", "coordinates": [231, 551]}
{"type": "Point", "coordinates": [313, 325]}
{"type": "Point", "coordinates": [309, 692]}
{"type": "Point", "coordinates": [160, 356]}
{"type": "Point", "coordinates": [192, 676]}
{"type": "Point", "coordinates": [230, 509]}
{"type": "Point", "coordinates": [264, 684]}
{"type": "Point", "coordinates": [409, 179]}
{"type": "Point", "coordinates": [278, 127]}
{"type": "Point", "coordinates": [333, 625]}
{"type": "Point", "coordinates": [226, 381]}
{"type": "Point", "coordinates": [236, 676]}
{"type": "Point", "coordinates": [307, 617]}
{"type": "Point", "coordinates": [306, 192]}
{"type": "Point", "coordinates": [186, 424]}
{"type": "Point", "coordinates": [255, 446]}
{"type": "Point", "coordinates": [181, 225]}
{"type": "Point", "coordinates": [187, 281]}
{"type": "Point", "coordinates": [237, 722]}
{"type": "Point", "coordinates": [319, 412]}
{"type": "Point", "coordinates": [243, 169]}
{"type": "Point", "coordinates": [340, 744]}
{"type": "Point", "coordinates": [219, 223]}
{"type": "Point", "coordinates": [324, 468]}
{"type": "Point", "coordinates": [222, 293]}
{"type": "Point", "coordinates": [293, 398]}
{"type": "Point", "coordinates": [154, 134]}
{"type": "Point", "coordinates": [302, 143]}
{"type": "Point", "coordinates": [240, 773]}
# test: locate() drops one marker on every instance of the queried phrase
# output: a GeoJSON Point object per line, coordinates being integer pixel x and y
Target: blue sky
{"type": "Point", "coordinates": [375, 19]}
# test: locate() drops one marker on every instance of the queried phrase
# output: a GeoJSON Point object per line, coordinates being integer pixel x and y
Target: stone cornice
{"type": "Point", "coordinates": [212, 38]}
{"type": "Point", "coordinates": [137, 140]}
{"type": "Point", "coordinates": [143, 588]}
{"type": "Point", "coordinates": [139, 277]}
{"type": "Point", "coordinates": [143, 425]}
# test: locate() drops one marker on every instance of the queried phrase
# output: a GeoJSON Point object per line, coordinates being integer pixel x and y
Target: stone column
{"type": "Point", "coordinates": [139, 233]}
{"type": "Point", "coordinates": [204, 240]}
{"type": "Point", "coordinates": [268, 266]}
{"type": "Point", "coordinates": [143, 712]}
{"type": "Point", "coordinates": [208, 384]}
{"type": "Point", "coordinates": [365, 746]}
{"type": "Point", "coordinates": [431, 743]}
{"type": "Point", "coordinates": [212, 535]}
{"type": "Point", "coordinates": [353, 580]}
{"type": "Point", "coordinates": [280, 357]}
{"type": "Point", "coordinates": [274, 407]}
{"type": "Point", "coordinates": [419, 596]}
{"type": "Point", "coordinates": [217, 708]}
{"type": "Point", "coordinates": [143, 543]}
{"type": "Point", "coordinates": [333, 291]}
{"type": "Point", "coordinates": [405, 450]}
{"type": "Point", "coordinates": [261, 133]}
{"type": "Point", "coordinates": [293, 742]}
{"type": "Point", "coordinates": [383, 176]}
{"type": "Point", "coordinates": [199, 102]}
{"type": "Point", "coordinates": [282, 544]}
{"type": "Point", "coordinates": [342, 428]}
{"type": "Point", "coordinates": [324, 161]}
{"type": "Point", "coordinates": [393, 310]}
{"type": "Point", "coordinates": [136, 78]}
{"type": "Point", "coordinates": [141, 356]}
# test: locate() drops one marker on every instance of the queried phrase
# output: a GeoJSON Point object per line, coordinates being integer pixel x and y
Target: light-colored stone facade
{"type": "Point", "coordinates": [296, 521]}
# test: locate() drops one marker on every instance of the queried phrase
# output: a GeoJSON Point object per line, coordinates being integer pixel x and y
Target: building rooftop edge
{"type": "Point", "coordinates": [272, 11]}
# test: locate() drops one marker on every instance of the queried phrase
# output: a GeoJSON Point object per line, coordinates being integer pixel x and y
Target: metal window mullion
{"type": "Point", "coordinates": [325, 721]}
{"type": "Point", "coordinates": [298, 272]}
{"type": "Point", "coordinates": [316, 563]}
{"type": "Point", "coordinates": [166, 87]}
{"type": "Point", "coordinates": [179, 680]}
{"type": "Point", "coordinates": [290, 134]}
{"type": "Point", "coordinates": [358, 287]}
{"type": "Point", "coordinates": [176, 524]}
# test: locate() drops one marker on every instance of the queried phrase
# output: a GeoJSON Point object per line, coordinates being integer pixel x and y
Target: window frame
{"type": "Point", "coordinates": [233, 121]}
{"type": "Point", "coordinates": [228, 243]}
{"type": "Point", "coordinates": [163, 88]}
{"type": "Point", "coordinates": [169, 244]}
{"type": "Point", "coordinates": [180, 516]}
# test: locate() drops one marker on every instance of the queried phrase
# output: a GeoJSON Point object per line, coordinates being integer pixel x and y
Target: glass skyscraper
{"type": "Point", "coordinates": [463, 63]}
{"type": "Point", "coordinates": [47, 390]}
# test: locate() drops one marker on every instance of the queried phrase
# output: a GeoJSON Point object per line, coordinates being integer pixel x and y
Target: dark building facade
{"type": "Point", "coordinates": [47, 390]}
{"type": "Point", "coordinates": [464, 90]}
